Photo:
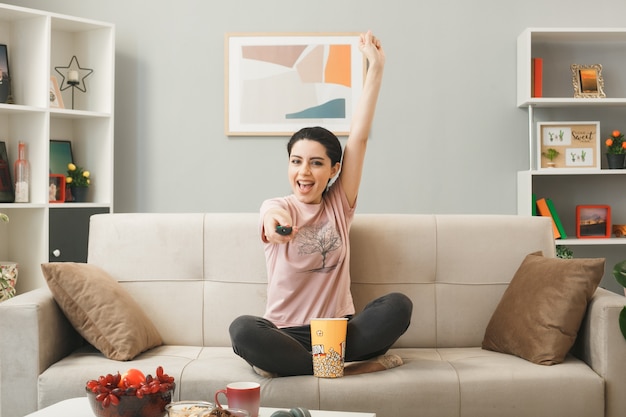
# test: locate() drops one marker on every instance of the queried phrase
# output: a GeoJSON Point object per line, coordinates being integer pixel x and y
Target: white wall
{"type": "Point", "coordinates": [448, 137]}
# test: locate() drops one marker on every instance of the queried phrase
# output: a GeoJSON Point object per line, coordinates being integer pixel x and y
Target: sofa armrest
{"type": "Point", "coordinates": [34, 334]}
{"type": "Point", "coordinates": [601, 345]}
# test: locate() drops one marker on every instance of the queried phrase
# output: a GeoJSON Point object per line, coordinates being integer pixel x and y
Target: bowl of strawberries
{"type": "Point", "coordinates": [131, 394]}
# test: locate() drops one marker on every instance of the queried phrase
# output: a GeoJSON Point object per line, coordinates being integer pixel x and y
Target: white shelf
{"type": "Point", "coordinates": [13, 206]}
{"type": "Point", "coordinates": [576, 171]}
{"type": "Point", "coordinates": [572, 102]}
{"type": "Point", "coordinates": [561, 47]}
{"type": "Point", "coordinates": [37, 42]}
{"type": "Point", "coordinates": [591, 242]}
{"type": "Point", "coordinates": [19, 108]}
{"type": "Point", "coordinates": [77, 114]}
{"type": "Point", "coordinates": [58, 206]}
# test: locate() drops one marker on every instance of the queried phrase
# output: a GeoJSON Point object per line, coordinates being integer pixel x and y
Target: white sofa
{"type": "Point", "coordinates": [194, 273]}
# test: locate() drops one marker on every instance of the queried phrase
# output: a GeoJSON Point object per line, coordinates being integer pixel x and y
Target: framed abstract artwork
{"type": "Point", "coordinates": [277, 83]}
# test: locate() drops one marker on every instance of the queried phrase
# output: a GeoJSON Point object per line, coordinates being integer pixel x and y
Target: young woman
{"type": "Point", "coordinates": [308, 269]}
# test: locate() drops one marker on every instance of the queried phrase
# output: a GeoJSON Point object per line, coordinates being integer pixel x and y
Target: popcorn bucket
{"type": "Point", "coordinates": [328, 346]}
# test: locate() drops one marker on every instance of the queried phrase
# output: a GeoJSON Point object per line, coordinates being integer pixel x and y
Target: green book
{"type": "Point", "coordinates": [556, 218]}
{"type": "Point", "coordinates": [534, 207]}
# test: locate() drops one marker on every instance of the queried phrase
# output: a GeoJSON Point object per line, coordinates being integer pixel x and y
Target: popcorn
{"type": "Point", "coordinates": [328, 365]}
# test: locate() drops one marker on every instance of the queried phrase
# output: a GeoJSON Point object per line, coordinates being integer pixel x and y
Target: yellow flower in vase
{"type": "Point", "coordinates": [77, 176]}
{"type": "Point", "coordinates": [78, 179]}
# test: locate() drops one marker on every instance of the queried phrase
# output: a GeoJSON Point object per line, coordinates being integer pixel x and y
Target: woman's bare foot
{"type": "Point", "coordinates": [264, 373]}
{"type": "Point", "coordinates": [377, 364]}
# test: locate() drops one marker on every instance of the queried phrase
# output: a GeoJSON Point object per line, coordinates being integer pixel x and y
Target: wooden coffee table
{"type": "Point", "coordinates": [79, 407]}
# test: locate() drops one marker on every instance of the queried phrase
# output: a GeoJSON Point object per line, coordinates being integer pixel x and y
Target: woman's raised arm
{"type": "Point", "coordinates": [354, 153]}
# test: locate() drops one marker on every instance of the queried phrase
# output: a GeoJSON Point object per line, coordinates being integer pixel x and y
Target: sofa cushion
{"type": "Point", "coordinates": [540, 312]}
{"type": "Point", "coordinates": [101, 310]}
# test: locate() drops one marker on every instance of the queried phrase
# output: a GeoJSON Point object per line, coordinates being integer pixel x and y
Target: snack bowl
{"type": "Point", "coordinates": [227, 412]}
{"type": "Point", "coordinates": [188, 408]}
{"type": "Point", "coordinates": [150, 405]}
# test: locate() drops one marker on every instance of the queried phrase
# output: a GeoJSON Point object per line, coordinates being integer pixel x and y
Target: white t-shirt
{"type": "Point", "coordinates": [309, 277]}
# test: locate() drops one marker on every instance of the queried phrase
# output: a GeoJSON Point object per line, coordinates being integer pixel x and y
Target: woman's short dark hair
{"type": "Point", "coordinates": [324, 136]}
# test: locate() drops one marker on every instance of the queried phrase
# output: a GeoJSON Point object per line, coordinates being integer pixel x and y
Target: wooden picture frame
{"type": "Point", "coordinates": [593, 221]}
{"type": "Point", "coordinates": [577, 145]}
{"type": "Point", "coordinates": [7, 189]}
{"type": "Point", "coordinates": [55, 97]}
{"type": "Point", "coordinates": [56, 188]}
{"type": "Point", "coordinates": [277, 83]}
{"type": "Point", "coordinates": [588, 81]}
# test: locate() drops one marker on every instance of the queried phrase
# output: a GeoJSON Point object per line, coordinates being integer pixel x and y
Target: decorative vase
{"type": "Point", "coordinates": [615, 161]}
{"type": "Point", "coordinates": [79, 194]}
{"type": "Point", "coordinates": [8, 279]}
{"type": "Point", "coordinates": [22, 175]}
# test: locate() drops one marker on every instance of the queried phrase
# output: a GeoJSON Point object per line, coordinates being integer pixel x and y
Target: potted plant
{"type": "Point", "coordinates": [615, 150]}
{"type": "Point", "coordinates": [8, 273]}
{"type": "Point", "coordinates": [78, 179]}
{"type": "Point", "coordinates": [564, 252]}
{"type": "Point", "coordinates": [619, 272]}
{"type": "Point", "coordinates": [551, 154]}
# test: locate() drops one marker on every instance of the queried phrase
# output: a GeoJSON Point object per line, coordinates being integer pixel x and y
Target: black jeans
{"type": "Point", "coordinates": [287, 351]}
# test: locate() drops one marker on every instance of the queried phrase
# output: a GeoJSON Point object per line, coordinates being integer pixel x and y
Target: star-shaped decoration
{"type": "Point", "coordinates": [73, 75]}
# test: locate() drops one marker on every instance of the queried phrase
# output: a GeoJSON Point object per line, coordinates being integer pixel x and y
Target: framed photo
{"type": "Point", "coordinates": [56, 188]}
{"type": "Point", "coordinates": [588, 81]}
{"type": "Point", "coordinates": [55, 97]}
{"type": "Point", "coordinates": [60, 156]}
{"type": "Point", "coordinates": [7, 192]}
{"type": "Point", "coordinates": [568, 145]}
{"type": "Point", "coordinates": [593, 221]}
{"type": "Point", "coordinates": [5, 76]}
{"type": "Point", "coordinates": [277, 83]}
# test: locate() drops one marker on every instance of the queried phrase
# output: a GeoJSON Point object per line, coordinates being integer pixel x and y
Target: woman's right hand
{"type": "Point", "coordinates": [370, 46]}
{"type": "Point", "coordinates": [277, 217]}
